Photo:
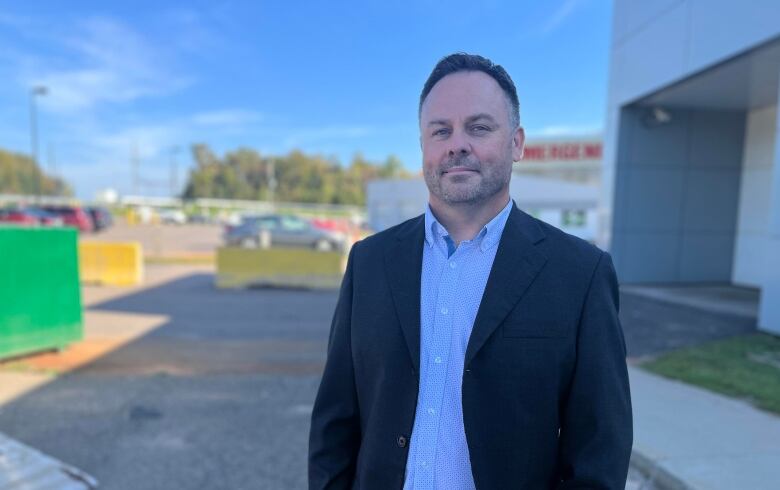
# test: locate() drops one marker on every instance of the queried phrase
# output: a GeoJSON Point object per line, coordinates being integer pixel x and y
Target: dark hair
{"type": "Point", "coordinates": [458, 62]}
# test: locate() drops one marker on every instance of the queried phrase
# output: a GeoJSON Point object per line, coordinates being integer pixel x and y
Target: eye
{"type": "Point", "coordinates": [440, 132]}
{"type": "Point", "coordinates": [480, 128]}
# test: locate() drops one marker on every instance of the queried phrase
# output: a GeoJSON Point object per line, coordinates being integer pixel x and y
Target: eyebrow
{"type": "Point", "coordinates": [470, 119]}
{"type": "Point", "coordinates": [479, 116]}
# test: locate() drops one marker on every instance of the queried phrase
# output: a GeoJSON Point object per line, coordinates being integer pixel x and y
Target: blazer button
{"type": "Point", "coordinates": [402, 441]}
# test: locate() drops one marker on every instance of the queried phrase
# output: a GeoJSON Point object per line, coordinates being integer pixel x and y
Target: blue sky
{"type": "Point", "coordinates": [334, 78]}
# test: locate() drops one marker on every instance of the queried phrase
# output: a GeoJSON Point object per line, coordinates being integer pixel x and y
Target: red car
{"type": "Point", "coordinates": [18, 216]}
{"type": "Point", "coordinates": [72, 216]}
{"type": "Point", "coordinates": [29, 216]}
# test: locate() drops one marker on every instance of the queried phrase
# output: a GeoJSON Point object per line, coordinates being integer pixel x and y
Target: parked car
{"type": "Point", "coordinates": [200, 219]}
{"type": "Point", "coordinates": [73, 216]}
{"type": "Point", "coordinates": [284, 230]}
{"type": "Point", "coordinates": [29, 216]}
{"type": "Point", "coordinates": [172, 217]}
{"type": "Point", "coordinates": [337, 227]}
{"type": "Point", "coordinates": [101, 217]}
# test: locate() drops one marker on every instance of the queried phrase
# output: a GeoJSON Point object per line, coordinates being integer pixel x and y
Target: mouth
{"type": "Point", "coordinates": [459, 170]}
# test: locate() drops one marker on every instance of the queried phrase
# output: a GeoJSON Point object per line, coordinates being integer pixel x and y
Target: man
{"type": "Point", "coordinates": [473, 346]}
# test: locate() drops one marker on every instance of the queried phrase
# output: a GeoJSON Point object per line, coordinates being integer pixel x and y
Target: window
{"type": "Point", "coordinates": [573, 217]}
{"type": "Point", "coordinates": [291, 223]}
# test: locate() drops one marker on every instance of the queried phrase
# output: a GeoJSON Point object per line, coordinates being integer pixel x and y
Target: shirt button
{"type": "Point", "coordinates": [424, 464]}
{"type": "Point", "coordinates": [444, 311]}
{"type": "Point", "coordinates": [452, 265]}
{"type": "Point", "coordinates": [401, 441]}
{"type": "Point", "coordinates": [431, 411]}
{"type": "Point", "coordinates": [437, 360]}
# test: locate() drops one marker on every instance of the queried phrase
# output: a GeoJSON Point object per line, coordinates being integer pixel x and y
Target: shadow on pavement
{"type": "Point", "coordinates": [218, 396]}
{"type": "Point", "coordinates": [653, 326]}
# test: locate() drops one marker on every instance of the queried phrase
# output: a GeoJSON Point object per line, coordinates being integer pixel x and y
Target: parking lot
{"type": "Point", "coordinates": [178, 384]}
{"type": "Point", "coordinates": [212, 389]}
{"type": "Point", "coordinates": [164, 240]}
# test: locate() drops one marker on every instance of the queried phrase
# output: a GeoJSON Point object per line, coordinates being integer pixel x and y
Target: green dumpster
{"type": "Point", "coordinates": [40, 300]}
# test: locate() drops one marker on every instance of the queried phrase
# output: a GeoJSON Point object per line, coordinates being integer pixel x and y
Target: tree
{"type": "Point", "coordinates": [245, 174]}
{"type": "Point", "coordinates": [20, 175]}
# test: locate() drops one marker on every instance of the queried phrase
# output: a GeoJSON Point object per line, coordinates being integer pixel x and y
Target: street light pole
{"type": "Point", "coordinates": [174, 175]}
{"type": "Point", "coordinates": [34, 92]}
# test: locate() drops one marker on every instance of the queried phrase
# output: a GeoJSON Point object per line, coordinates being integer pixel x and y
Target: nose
{"type": "Point", "coordinates": [459, 145]}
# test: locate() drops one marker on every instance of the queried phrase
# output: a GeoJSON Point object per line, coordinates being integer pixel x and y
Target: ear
{"type": "Point", "coordinates": [518, 144]}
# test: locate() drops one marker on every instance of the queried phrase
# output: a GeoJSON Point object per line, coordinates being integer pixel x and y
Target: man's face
{"type": "Point", "coordinates": [468, 143]}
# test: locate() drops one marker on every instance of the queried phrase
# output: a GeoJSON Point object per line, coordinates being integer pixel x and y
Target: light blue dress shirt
{"type": "Point", "coordinates": [452, 283]}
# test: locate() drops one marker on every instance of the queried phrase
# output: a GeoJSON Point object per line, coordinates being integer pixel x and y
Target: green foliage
{"type": "Point", "coordinates": [746, 366]}
{"type": "Point", "coordinates": [19, 175]}
{"type": "Point", "coordinates": [295, 177]}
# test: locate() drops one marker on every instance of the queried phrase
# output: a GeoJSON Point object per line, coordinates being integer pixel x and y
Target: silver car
{"type": "Point", "coordinates": [281, 230]}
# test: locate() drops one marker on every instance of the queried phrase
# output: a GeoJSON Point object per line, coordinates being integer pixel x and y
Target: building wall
{"type": "Point", "coordinates": [753, 238]}
{"type": "Point", "coordinates": [676, 196]}
{"type": "Point", "coordinates": [658, 42]}
{"type": "Point", "coordinates": [655, 45]}
{"type": "Point", "coordinates": [769, 310]}
{"type": "Point", "coordinates": [573, 159]}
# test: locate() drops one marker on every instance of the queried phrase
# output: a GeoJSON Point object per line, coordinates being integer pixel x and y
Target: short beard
{"type": "Point", "coordinates": [492, 181]}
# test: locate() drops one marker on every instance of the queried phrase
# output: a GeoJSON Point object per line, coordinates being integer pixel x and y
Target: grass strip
{"type": "Point", "coordinates": [745, 366]}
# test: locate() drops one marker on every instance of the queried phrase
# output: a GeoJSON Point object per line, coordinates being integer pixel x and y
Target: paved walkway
{"type": "Point", "coordinates": [702, 440]}
{"type": "Point", "coordinates": [724, 298]}
{"type": "Point", "coordinates": [24, 468]}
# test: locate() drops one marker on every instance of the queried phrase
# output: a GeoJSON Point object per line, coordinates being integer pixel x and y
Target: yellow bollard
{"type": "Point", "coordinates": [112, 264]}
{"type": "Point", "coordinates": [281, 267]}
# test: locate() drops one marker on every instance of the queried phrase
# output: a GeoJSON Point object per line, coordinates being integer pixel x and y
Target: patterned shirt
{"type": "Point", "coordinates": [452, 283]}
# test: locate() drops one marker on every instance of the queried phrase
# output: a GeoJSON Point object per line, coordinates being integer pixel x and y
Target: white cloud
{"type": "Point", "coordinates": [100, 159]}
{"type": "Point", "coordinates": [228, 117]}
{"type": "Point", "coordinates": [566, 130]}
{"type": "Point", "coordinates": [566, 9]}
{"type": "Point", "coordinates": [307, 136]}
{"type": "Point", "coordinates": [106, 61]}
{"type": "Point", "coordinates": [150, 141]}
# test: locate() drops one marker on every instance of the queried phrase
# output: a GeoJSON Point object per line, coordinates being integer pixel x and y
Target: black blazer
{"type": "Point", "coordinates": [546, 400]}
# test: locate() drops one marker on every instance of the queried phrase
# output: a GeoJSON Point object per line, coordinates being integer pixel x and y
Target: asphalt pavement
{"type": "Point", "coordinates": [216, 396]}
{"type": "Point", "coordinates": [181, 385]}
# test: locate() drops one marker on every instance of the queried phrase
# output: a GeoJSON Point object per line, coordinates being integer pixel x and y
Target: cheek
{"type": "Point", "coordinates": [431, 154]}
{"type": "Point", "coordinates": [493, 152]}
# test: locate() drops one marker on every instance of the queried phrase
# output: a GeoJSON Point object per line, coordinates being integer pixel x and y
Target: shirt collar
{"type": "Point", "coordinates": [486, 238]}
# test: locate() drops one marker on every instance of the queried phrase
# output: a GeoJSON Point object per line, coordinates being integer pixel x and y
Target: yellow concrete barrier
{"type": "Point", "coordinates": [112, 264]}
{"type": "Point", "coordinates": [281, 267]}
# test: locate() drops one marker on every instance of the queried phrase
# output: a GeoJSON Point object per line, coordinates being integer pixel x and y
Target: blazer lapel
{"type": "Point", "coordinates": [403, 262]}
{"type": "Point", "coordinates": [515, 267]}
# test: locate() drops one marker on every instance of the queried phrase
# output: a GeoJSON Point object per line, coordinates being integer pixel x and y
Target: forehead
{"type": "Point", "coordinates": [463, 94]}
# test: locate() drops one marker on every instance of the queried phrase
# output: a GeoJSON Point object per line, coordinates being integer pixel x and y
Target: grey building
{"type": "Point", "coordinates": [691, 156]}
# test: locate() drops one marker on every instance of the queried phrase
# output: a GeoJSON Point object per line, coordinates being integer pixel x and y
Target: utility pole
{"type": "Point", "coordinates": [35, 92]}
{"type": "Point", "coordinates": [174, 177]}
{"type": "Point", "coordinates": [134, 167]}
{"type": "Point", "coordinates": [52, 165]}
{"type": "Point", "coordinates": [271, 176]}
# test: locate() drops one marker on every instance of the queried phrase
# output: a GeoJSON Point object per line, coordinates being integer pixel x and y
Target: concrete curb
{"type": "Point", "coordinates": [655, 473]}
{"type": "Point", "coordinates": [25, 468]}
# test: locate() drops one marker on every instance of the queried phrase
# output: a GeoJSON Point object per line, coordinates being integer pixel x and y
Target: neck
{"type": "Point", "coordinates": [464, 220]}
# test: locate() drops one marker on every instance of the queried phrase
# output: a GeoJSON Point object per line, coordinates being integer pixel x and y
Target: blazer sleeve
{"type": "Point", "coordinates": [334, 439]}
{"type": "Point", "coordinates": [596, 421]}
